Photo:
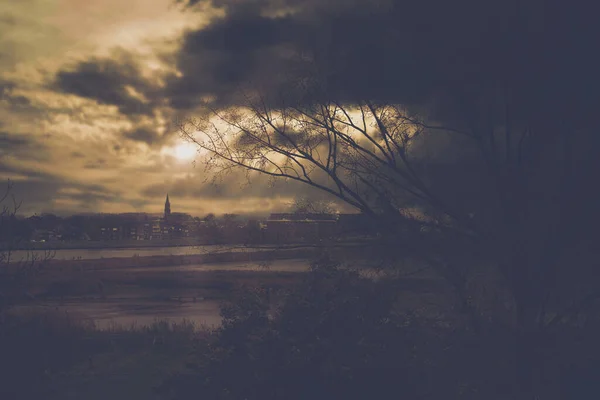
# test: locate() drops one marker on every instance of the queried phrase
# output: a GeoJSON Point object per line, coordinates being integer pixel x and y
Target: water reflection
{"type": "Point", "coordinates": [94, 254]}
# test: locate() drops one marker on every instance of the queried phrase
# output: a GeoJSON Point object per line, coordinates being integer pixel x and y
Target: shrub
{"type": "Point", "coordinates": [33, 344]}
{"type": "Point", "coordinates": [335, 335]}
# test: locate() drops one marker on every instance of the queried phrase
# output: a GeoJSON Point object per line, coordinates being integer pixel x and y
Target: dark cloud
{"type": "Point", "coordinates": [20, 101]}
{"type": "Point", "coordinates": [14, 101]}
{"type": "Point", "coordinates": [38, 175]}
{"type": "Point", "coordinates": [357, 54]}
{"type": "Point", "coordinates": [22, 146]}
{"type": "Point", "coordinates": [88, 199]}
{"type": "Point", "coordinates": [6, 87]}
{"type": "Point", "coordinates": [241, 34]}
{"type": "Point", "coordinates": [218, 60]}
{"type": "Point", "coordinates": [143, 134]}
{"type": "Point", "coordinates": [42, 191]}
{"type": "Point", "coordinates": [8, 141]}
{"type": "Point", "coordinates": [107, 81]}
{"type": "Point", "coordinates": [449, 57]}
{"type": "Point", "coordinates": [118, 81]}
{"type": "Point", "coordinates": [255, 6]}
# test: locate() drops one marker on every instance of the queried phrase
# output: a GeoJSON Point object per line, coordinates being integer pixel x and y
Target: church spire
{"type": "Point", "coordinates": [167, 207]}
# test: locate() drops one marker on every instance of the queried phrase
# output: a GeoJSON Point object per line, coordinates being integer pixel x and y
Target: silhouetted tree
{"type": "Point", "coordinates": [209, 218]}
{"type": "Point", "coordinates": [229, 219]}
{"type": "Point", "coordinates": [485, 171]}
{"type": "Point", "coordinates": [493, 204]}
{"type": "Point", "coordinates": [211, 229]}
{"type": "Point", "coordinates": [253, 232]}
{"type": "Point", "coordinates": [16, 272]}
{"type": "Point", "coordinates": [303, 204]}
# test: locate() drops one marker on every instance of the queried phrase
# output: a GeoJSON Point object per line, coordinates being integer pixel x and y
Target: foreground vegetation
{"type": "Point", "coordinates": [331, 334]}
{"type": "Point", "coordinates": [51, 355]}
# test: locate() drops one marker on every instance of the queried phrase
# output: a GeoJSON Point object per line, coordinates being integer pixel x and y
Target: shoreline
{"type": "Point", "coordinates": [187, 259]}
{"type": "Point", "coordinates": [140, 244]}
{"type": "Point", "coordinates": [125, 244]}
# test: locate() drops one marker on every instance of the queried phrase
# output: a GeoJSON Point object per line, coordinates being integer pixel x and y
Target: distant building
{"type": "Point", "coordinates": [111, 233]}
{"type": "Point", "coordinates": [167, 208]}
{"type": "Point", "coordinates": [156, 229]}
{"type": "Point", "coordinates": [43, 235]}
{"type": "Point", "coordinates": [174, 225]}
{"type": "Point", "coordinates": [142, 226]}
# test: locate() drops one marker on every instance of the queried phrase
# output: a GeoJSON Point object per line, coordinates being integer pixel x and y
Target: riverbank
{"type": "Point", "coordinates": [112, 244]}
{"type": "Point", "coordinates": [217, 255]}
{"type": "Point", "coordinates": [149, 244]}
{"type": "Point", "coordinates": [345, 250]}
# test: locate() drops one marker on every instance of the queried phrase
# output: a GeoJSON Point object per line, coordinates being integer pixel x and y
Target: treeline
{"type": "Point", "coordinates": [229, 228]}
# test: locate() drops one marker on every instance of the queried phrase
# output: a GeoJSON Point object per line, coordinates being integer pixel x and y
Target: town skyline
{"type": "Point", "coordinates": [160, 211]}
{"type": "Point", "coordinates": [179, 228]}
{"type": "Point", "coordinates": [90, 93]}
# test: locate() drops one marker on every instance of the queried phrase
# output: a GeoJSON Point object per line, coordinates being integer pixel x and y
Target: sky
{"type": "Point", "coordinates": [91, 90]}
{"type": "Point", "coordinates": [86, 124]}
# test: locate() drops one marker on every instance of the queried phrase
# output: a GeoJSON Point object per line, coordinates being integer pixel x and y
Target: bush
{"type": "Point", "coordinates": [34, 344]}
{"type": "Point", "coordinates": [336, 335]}
{"type": "Point", "coordinates": [39, 346]}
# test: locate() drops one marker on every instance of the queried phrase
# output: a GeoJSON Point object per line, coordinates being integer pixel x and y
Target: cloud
{"type": "Point", "coordinates": [143, 134]}
{"type": "Point", "coordinates": [263, 7]}
{"type": "Point", "coordinates": [11, 141]}
{"type": "Point", "coordinates": [8, 96]}
{"type": "Point", "coordinates": [97, 164]}
{"type": "Point", "coordinates": [438, 56]}
{"type": "Point", "coordinates": [352, 49]}
{"type": "Point", "coordinates": [217, 60]}
{"type": "Point", "coordinates": [45, 191]}
{"type": "Point", "coordinates": [80, 98]}
{"type": "Point", "coordinates": [235, 186]}
{"type": "Point", "coordinates": [109, 81]}
{"type": "Point", "coordinates": [23, 34]}
{"type": "Point", "coordinates": [241, 34]}
{"type": "Point", "coordinates": [21, 146]}
{"type": "Point", "coordinates": [77, 154]}
{"type": "Point", "coordinates": [88, 88]}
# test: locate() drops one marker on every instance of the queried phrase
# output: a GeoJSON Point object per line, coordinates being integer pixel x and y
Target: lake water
{"type": "Point", "coordinates": [127, 309]}
{"type": "Point", "coordinates": [142, 311]}
{"type": "Point", "coordinates": [132, 309]}
{"type": "Point", "coordinates": [94, 254]}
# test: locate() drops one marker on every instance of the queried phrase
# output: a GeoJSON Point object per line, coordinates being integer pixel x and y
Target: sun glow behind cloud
{"type": "Point", "coordinates": [100, 138]}
{"type": "Point", "coordinates": [183, 151]}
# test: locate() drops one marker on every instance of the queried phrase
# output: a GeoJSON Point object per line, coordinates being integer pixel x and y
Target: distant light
{"type": "Point", "coordinates": [185, 151]}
